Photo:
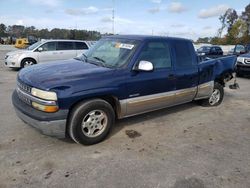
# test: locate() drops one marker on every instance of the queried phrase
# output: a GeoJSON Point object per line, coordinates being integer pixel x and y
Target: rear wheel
{"type": "Point", "coordinates": [27, 62]}
{"type": "Point", "coordinates": [217, 96]}
{"type": "Point", "coordinates": [239, 74]}
{"type": "Point", "coordinates": [91, 121]}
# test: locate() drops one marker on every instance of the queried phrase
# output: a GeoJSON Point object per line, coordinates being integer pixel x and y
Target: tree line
{"type": "Point", "coordinates": [19, 31]}
{"type": "Point", "coordinates": [236, 27]}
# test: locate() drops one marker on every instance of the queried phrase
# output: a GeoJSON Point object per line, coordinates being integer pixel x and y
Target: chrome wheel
{"type": "Point", "coordinates": [94, 123]}
{"type": "Point", "coordinates": [28, 63]}
{"type": "Point", "coordinates": [215, 97]}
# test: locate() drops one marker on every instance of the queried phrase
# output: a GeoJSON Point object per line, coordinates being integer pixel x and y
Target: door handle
{"type": "Point", "coordinates": [171, 77]}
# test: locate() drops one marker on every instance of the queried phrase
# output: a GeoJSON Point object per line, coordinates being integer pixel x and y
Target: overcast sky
{"type": "Point", "coordinates": [182, 18]}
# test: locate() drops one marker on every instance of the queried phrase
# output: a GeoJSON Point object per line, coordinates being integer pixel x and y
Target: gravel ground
{"type": "Point", "coordinates": [187, 146]}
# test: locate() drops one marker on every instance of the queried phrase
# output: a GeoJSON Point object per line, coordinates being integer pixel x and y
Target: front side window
{"type": "Point", "coordinates": [213, 49]}
{"type": "Point", "coordinates": [240, 48]}
{"type": "Point", "coordinates": [65, 45]}
{"type": "Point", "coordinates": [158, 53]}
{"type": "Point", "coordinates": [33, 46]}
{"type": "Point", "coordinates": [49, 46]}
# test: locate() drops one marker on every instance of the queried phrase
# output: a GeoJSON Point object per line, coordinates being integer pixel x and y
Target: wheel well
{"type": "Point", "coordinates": [28, 58]}
{"type": "Point", "coordinates": [220, 81]}
{"type": "Point", "coordinates": [112, 100]}
{"type": "Point", "coordinates": [224, 78]}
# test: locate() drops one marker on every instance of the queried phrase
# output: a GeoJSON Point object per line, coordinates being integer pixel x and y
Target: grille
{"type": "Point", "coordinates": [24, 87]}
{"type": "Point", "coordinates": [23, 97]}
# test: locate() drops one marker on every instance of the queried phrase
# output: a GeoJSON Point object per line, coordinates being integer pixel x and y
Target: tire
{"type": "Point", "coordinates": [239, 74]}
{"type": "Point", "coordinates": [216, 97]}
{"type": "Point", "coordinates": [91, 121]}
{"type": "Point", "coordinates": [27, 62]}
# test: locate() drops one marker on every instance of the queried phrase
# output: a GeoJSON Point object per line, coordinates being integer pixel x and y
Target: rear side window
{"type": "Point", "coordinates": [65, 46]}
{"type": "Point", "coordinates": [158, 53]}
{"type": "Point", "coordinates": [81, 46]}
{"type": "Point", "coordinates": [218, 49]}
{"type": "Point", "coordinates": [183, 54]}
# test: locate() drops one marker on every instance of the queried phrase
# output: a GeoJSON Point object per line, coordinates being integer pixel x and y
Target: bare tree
{"type": "Point", "coordinates": [227, 20]}
{"type": "Point", "coordinates": [246, 17]}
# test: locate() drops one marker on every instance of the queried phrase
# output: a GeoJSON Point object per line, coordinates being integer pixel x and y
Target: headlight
{"type": "Point", "coordinates": [14, 56]}
{"type": "Point", "coordinates": [47, 95]}
{"type": "Point", "coordinates": [240, 59]}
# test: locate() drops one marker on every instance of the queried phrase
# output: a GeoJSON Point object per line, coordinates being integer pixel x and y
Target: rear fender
{"type": "Point", "coordinates": [219, 70]}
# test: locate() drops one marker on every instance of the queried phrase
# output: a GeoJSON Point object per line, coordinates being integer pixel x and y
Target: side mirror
{"type": "Point", "coordinates": [145, 66]}
{"type": "Point", "coordinates": [40, 49]}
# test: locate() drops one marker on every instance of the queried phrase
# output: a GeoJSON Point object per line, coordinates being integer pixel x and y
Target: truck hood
{"type": "Point", "coordinates": [61, 74]}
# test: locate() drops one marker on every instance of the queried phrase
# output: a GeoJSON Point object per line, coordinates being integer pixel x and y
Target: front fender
{"type": "Point", "coordinates": [66, 101]}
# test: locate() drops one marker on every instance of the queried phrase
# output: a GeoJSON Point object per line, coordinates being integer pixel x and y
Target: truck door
{"type": "Point", "coordinates": [186, 69]}
{"type": "Point", "coordinates": [155, 89]}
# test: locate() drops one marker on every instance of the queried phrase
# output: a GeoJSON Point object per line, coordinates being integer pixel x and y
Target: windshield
{"type": "Point", "coordinates": [33, 46]}
{"type": "Point", "coordinates": [111, 52]}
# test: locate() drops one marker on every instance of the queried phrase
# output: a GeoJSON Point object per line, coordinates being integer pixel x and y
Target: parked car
{"type": "Point", "coordinates": [45, 51]}
{"type": "Point", "coordinates": [237, 50]}
{"type": "Point", "coordinates": [210, 50]}
{"type": "Point", "coordinates": [120, 76]}
{"type": "Point", "coordinates": [243, 65]}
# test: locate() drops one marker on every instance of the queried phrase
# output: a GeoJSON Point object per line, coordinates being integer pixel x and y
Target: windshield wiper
{"type": "Point", "coordinates": [81, 59]}
{"type": "Point", "coordinates": [85, 56]}
{"type": "Point", "coordinates": [100, 61]}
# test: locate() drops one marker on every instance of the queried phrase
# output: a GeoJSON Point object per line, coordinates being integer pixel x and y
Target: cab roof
{"type": "Point", "coordinates": [144, 37]}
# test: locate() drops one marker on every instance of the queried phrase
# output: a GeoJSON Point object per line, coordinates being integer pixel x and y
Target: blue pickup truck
{"type": "Point", "coordinates": [120, 76]}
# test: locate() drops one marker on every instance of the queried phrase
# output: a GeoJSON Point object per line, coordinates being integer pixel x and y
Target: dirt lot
{"type": "Point", "coordinates": [184, 146]}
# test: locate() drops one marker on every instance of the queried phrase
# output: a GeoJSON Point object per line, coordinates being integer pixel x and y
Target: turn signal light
{"type": "Point", "coordinates": [45, 108]}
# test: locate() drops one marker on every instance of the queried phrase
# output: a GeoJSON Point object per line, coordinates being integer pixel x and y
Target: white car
{"type": "Point", "coordinates": [45, 51]}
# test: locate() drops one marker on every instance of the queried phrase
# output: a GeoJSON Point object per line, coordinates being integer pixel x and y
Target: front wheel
{"type": "Point", "coordinates": [91, 121]}
{"type": "Point", "coordinates": [217, 96]}
{"type": "Point", "coordinates": [27, 62]}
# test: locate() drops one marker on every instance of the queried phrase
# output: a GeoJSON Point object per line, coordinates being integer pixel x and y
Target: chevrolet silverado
{"type": "Point", "coordinates": [121, 76]}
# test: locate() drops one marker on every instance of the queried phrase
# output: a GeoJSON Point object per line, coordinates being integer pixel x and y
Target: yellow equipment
{"type": "Point", "coordinates": [22, 43]}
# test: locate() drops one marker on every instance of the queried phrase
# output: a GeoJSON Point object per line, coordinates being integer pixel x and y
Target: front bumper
{"type": "Point", "coordinates": [51, 124]}
{"type": "Point", "coordinates": [242, 68]}
{"type": "Point", "coordinates": [11, 63]}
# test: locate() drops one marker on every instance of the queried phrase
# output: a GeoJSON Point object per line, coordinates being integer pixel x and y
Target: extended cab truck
{"type": "Point", "coordinates": [120, 76]}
